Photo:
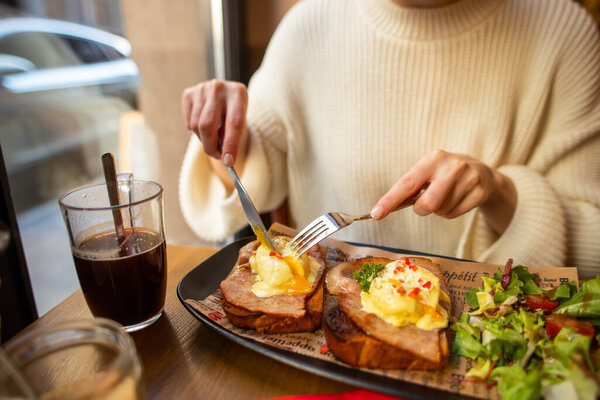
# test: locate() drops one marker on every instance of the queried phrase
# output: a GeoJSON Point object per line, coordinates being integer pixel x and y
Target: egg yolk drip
{"type": "Point", "coordinates": [279, 272]}
{"type": "Point", "coordinates": [406, 294]}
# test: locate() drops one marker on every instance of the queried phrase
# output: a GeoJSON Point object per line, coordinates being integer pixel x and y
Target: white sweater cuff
{"type": "Point", "coordinates": [536, 234]}
{"type": "Point", "coordinates": [211, 214]}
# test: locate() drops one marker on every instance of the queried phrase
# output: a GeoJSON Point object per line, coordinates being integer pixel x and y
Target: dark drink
{"type": "Point", "coordinates": [127, 283]}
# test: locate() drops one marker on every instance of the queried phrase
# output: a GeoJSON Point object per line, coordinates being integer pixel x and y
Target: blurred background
{"type": "Point", "coordinates": [79, 78]}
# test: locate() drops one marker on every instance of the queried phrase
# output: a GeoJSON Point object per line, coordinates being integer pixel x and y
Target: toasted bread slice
{"type": "Point", "coordinates": [363, 339]}
{"type": "Point", "coordinates": [274, 314]}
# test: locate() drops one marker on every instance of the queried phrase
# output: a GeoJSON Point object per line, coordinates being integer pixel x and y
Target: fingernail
{"type": "Point", "coordinates": [228, 160]}
{"type": "Point", "coordinates": [377, 212]}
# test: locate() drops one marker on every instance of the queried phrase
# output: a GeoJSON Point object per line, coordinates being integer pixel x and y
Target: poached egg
{"type": "Point", "coordinates": [280, 272]}
{"type": "Point", "coordinates": [404, 293]}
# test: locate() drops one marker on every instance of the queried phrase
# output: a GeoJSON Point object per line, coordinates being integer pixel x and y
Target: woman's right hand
{"type": "Point", "coordinates": [205, 106]}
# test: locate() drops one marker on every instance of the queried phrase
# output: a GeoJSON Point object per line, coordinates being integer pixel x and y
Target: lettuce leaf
{"type": "Point", "coordinates": [482, 370]}
{"type": "Point", "coordinates": [562, 292]}
{"type": "Point", "coordinates": [524, 275]}
{"type": "Point", "coordinates": [506, 344]}
{"type": "Point", "coordinates": [516, 384]}
{"type": "Point", "coordinates": [471, 297]}
{"type": "Point", "coordinates": [490, 285]}
{"type": "Point", "coordinates": [501, 295]}
{"type": "Point", "coordinates": [570, 345]}
{"type": "Point", "coordinates": [585, 387]}
{"type": "Point", "coordinates": [486, 302]}
{"type": "Point", "coordinates": [531, 288]}
{"type": "Point", "coordinates": [581, 305]}
{"type": "Point", "coordinates": [467, 342]}
{"type": "Point", "coordinates": [584, 304]}
{"type": "Point", "coordinates": [565, 379]}
{"type": "Point", "coordinates": [591, 286]}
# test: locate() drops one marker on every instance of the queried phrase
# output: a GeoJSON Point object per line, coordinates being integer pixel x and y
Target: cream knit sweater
{"type": "Point", "coordinates": [351, 94]}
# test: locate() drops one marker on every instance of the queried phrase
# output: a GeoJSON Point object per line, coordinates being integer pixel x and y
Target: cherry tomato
{"type": "Point", "coordinates": [555, 322]}
{"type": "Point", "coordinates": [537, 302]}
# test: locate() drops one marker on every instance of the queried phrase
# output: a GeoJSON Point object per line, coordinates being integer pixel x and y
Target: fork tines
{"type": "Point", "coordinates": [316, 231]}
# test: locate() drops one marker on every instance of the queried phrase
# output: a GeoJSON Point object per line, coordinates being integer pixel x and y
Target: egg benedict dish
{"type": "Point", "coordinates": [281, 272]}
{"type": "Point", "coordinates": [389, 313]}
{"type": "Point", "coordinates": [273, 291]}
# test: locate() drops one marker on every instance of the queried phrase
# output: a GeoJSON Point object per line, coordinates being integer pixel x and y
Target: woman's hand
{"type": "Point", "coordinates": [216, 112]}
{"type": "Point", "coordinates": [457, 184]}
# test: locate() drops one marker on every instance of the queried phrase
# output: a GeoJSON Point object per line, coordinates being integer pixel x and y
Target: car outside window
{"type": "Point", "coordinates": [42, 49]}
{"type": "Point", "coordinates": [91, 52]}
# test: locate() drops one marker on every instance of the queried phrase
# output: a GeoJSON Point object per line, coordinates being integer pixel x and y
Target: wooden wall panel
{"type": "Point", "coordinates": [262, 17]}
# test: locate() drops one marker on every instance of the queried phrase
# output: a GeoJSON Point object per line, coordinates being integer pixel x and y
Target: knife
{"type": "Point", "coordinates": [251, 214]}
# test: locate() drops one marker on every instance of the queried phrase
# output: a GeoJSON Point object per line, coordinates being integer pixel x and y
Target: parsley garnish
{"type": "Point", "coordinates": [365, 276]}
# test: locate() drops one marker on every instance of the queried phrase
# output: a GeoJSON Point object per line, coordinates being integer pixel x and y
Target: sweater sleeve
{"type": "Point", "coordinates": [558, 209]}
{"type": "Point", "coordinates": [208, 210]}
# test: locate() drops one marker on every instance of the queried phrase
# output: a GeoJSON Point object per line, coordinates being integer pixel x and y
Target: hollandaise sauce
{"type": "Point", "coordinates": [279, 272]}
{"type": "Point", "coordinates": [404, 293]}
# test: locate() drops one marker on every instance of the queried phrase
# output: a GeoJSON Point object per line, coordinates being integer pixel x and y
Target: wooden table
{"type": "Point", "coordinates": [183, 359]}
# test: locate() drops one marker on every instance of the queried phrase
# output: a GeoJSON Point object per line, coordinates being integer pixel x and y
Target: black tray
{"type": "Point", "coordinates": [204, 280]}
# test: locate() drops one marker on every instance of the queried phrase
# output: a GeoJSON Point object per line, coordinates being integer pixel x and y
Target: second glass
{"type": "Point", "coordinates": [122, 270]}
{"type": "Point", "coordinates": [74, 360]}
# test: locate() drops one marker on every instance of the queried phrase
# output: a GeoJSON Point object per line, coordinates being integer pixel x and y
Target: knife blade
{"type": "Point", "coordinates": [251, 214]}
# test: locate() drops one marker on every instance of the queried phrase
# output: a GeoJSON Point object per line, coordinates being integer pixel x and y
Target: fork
{"type": "Point", "coordinates": [330, 223]}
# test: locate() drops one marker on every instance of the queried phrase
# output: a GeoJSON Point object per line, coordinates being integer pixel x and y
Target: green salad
{"type": "Point", "coordinates": [530, 342]}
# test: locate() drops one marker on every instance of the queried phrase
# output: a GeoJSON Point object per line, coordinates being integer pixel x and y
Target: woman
{"type": "Point", "coordinates": [358, 104]}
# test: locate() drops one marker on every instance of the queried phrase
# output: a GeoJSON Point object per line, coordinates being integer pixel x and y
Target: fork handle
{"type": "Point", "coordinates": [410, 201]}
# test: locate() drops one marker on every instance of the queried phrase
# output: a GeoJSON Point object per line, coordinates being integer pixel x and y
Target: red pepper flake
{"type": "Point", "coordinates": [399, 268]}
{"type": "Point", "coordinates": [427, 285]}
{"type": "Point", "coordinates": [254, 253]}
{"type": "Point", "coordinates": [413, 267]}
{"type": "Point", "coordinates": [273, 253]}
{"type": "Point", "coordinates": [324, 349]}
{"type": "Point", "coordinates": [420, 280]}
{"type": "Point", "coordinates": [395, 270]}
{"type": "Point", "coordinates": [405, 260]}
{"type": "Point", "coordinates": [400, 290]}
{"type": "Point", "coordinates": [414, 293]}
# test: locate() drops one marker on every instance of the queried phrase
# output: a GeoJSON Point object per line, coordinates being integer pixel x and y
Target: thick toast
{"type": "Point", "coordinates": [274, 314]}
{"type": "Point", "coordinates": [363, 339]}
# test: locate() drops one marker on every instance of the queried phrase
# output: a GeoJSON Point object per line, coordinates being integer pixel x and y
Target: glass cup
{"type": "Point", "coordinates": [120, 262]}
{"type": "Point", "coordinates": [13, 383]}
{"type": "Point", "coordinates": [85, 359]}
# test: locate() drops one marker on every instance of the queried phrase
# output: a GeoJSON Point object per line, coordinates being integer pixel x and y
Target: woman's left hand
{"type": "Point", "coordinates": [457, 184]}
